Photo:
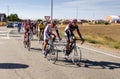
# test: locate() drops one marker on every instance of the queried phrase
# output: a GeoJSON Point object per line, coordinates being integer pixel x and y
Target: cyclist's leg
{"type": "Point", "coordinates": [25, 34]}
{"type": "Point", "coordinates": [31, 34]}
{"type": "Point", "coordinates": [73, 37]}
{"type": "Point", "coordinates": [45, 44]}
{"type": "Point", "coordinates": [40, 33]}
{"type": "Point", "coordinates": [28, 35]}
{"type": "Point", "coordinates": [53, 37]}
{"type": "Point", "coordinates": [24, 42]}
{"type": "Point", "coordinates": [67, 45]}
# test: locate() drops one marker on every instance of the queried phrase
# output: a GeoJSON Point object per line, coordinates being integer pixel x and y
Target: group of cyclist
{"type": "Point", "coordinates": [48, 32]}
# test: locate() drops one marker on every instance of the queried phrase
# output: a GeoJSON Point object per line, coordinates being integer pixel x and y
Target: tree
{"type": "Point", "coordinates": [13, 17]}
{"type": "Point", "coordinates": [39, 20]}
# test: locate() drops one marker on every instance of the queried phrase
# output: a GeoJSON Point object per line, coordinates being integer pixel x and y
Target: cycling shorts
{"type": "Point", "coordinates": [68, 35]}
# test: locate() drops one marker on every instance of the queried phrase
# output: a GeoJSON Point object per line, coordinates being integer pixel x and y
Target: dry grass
{"type": "Point", "coordinates": [107, 35]}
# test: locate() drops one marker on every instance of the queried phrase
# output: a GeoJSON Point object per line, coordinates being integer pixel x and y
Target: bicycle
{"type": "Point", "coordinates": [27, 41]}
{"type": "Point", "coordinates": [75, 52]}
{"type": "Point", "coordinates": [41, 38]}
{"type": "Point", "coordinates": [51, 52]}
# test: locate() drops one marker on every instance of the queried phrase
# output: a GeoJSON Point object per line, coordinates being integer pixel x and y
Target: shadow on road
{"type": "Point", "coordinates": [12, 66]}
{"type": "Point", "coordinates": [36, 49]}
{"type": "Point", "coordinates": [89, 64]}
{"type": "Point", "coordinates": [66, 63]}
{"type": "Point", "coordinates": [14, 36]}
{"type": "Point", "coordinates": [101, 64]}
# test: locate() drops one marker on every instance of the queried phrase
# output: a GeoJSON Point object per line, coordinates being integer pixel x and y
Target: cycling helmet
{"type": "Point", "coordinates": [54, 22]}
{"type": "Point", "coordinates": [74, 20]}
{"type": "Point", "coordinates": [28, 20]}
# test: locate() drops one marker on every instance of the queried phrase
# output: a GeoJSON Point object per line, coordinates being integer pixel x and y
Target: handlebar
{"type": "Point", "coordinates": [80, 40]}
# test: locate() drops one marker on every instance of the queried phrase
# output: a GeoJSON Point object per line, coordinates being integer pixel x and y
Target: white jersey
{"type": "Point", "coordinates": [49, 30]}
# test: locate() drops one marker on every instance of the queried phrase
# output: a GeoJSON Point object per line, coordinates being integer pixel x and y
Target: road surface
{"type": "Point", "coordinates": [16, 62]}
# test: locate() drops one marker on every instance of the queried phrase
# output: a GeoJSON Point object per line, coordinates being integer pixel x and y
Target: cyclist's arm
{"type": "Point", "coordinates": [78, 31]}
{"type": "Point", "coordinates": [57, 32]}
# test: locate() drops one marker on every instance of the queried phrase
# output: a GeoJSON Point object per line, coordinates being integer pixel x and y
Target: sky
{"type": "Point", "coordinates": [62, 9]}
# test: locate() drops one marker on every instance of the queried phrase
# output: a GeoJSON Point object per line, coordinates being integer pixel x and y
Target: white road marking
{"type": "Point", "coordinates": [3, 34]}
{"type": "Point", "coordinates": [101, 52]}
{"type": "Point", "coordinates": [3, 31]}
{"type": "Point", "coordinates": [7, 33]}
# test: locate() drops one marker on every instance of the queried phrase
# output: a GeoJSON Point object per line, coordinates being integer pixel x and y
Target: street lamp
{"type": "Point", "coordinates": [8, 10]}
{"type": "Point", "coordinates": [51, 10]}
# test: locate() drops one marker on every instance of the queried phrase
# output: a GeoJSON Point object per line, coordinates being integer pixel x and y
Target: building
{"type": "Point", "coordinates": [113, 19]}
{"type": "Point", "coordinates": [3, 19]}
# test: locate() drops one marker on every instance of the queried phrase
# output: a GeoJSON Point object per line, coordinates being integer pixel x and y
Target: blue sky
{"type": "Point", "coordinates": [63, 9]}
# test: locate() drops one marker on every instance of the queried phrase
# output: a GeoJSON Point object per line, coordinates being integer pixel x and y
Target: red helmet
{"type": "Point", "coordinates": [74, 20]}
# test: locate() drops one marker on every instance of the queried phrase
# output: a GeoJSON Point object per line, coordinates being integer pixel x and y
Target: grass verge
{"type": "Point", "coordinates": [102, 40]}
{"type": "Point", "coordinates": [96, 38]}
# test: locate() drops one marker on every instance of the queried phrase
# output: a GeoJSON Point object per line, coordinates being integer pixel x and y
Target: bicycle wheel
{"type": "Point", "coordinates": [28, 46]}
{"type": "Point", "coordinates": [53, 54]}
{"type": "Point", "coordinates": [24, 44]}
{"type": "Point", "coordinates": [41, 38]}
{"type": "Point", "coordinates": [76, 55]}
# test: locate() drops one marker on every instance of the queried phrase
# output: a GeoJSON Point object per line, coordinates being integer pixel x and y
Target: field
{"type": "Point", "coordinates": [100, 35]}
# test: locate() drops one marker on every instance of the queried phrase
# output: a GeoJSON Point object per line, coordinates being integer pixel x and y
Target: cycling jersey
{"type": "Point", "coordinates": [69, 31]}
{"type": "Point", "coordinates": [48, 31]}
{"type": "Point", "coordinates": [41, 26]}
{"type": "Point", "coordinates": [70, 28]}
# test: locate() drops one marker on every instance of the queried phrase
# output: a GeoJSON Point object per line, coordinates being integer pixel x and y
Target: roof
{"type": "Point", "coordinates": [112, 17]}
{"type": "Point", "coordinates": [2, 14]}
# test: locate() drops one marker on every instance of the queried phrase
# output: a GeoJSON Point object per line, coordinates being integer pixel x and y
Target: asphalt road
{"type": "Point", "coordinates": [16, 62]}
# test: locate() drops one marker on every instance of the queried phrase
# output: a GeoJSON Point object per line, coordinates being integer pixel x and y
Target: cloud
{"type": "Point", "coordinates": [62, 8]}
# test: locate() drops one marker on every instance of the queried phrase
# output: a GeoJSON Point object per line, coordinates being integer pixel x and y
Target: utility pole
{"type": "Point", "coordinates": [51, 10]}
{"type": "Point", "coordinates": [8, 10]}
{"type": "Point", "coordinates": [77, 13]}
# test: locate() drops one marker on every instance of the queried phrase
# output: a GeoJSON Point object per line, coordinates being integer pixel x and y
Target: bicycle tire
{"type": "Point", "coordinates": [28, 46]}
{"type": "Point", "coordinates": [76, 55]}
{"type": "Point", "coordinates": [41, 38]}
{"type": "Point", "coordinates": [53, 55]}
{"type": "Point", "coordinates": [24, 44]}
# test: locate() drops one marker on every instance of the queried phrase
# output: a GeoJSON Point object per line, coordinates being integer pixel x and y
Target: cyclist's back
{"type": "Point", "coordinates": [71, 27]}
{"type": "Point", "coordinates": [49, 30]}
{"type": "Point", "coordinates": [69, 33]}
{"type": "Point", "coordinates": [41, 26]}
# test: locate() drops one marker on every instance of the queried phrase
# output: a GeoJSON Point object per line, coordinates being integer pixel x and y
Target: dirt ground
{"type": "Point", "coordinates": [112, 31]}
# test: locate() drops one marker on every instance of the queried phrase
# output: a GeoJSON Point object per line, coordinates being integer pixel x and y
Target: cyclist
{"type": "Point", "coordinates": [48, 33]}
{"type": "Point", "coordinates": [70, 28]}
{"type": "Point", "coordinates": [27, 27]}
{"type": "Point", "coordinates": [41, 28]}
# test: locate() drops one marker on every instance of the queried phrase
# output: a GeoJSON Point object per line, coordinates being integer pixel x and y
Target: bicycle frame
{"type": "Point", "coordinates": [41, 38]}
{"type": "Point", "coordinates": [27, 41]}
{"type": "Point", "coordinates": [51, 51]}
{"type": "Point", "coordinates": [75, 52]}
{"type": "Point", "coordinates": [72, 45]}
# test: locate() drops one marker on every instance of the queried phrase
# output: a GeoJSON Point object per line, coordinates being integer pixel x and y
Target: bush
{"type": "Point", "coordinates": [66, 22]}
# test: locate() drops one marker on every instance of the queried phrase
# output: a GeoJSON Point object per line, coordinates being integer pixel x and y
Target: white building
{"type": "Point", "coordinates": [113, 19]}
